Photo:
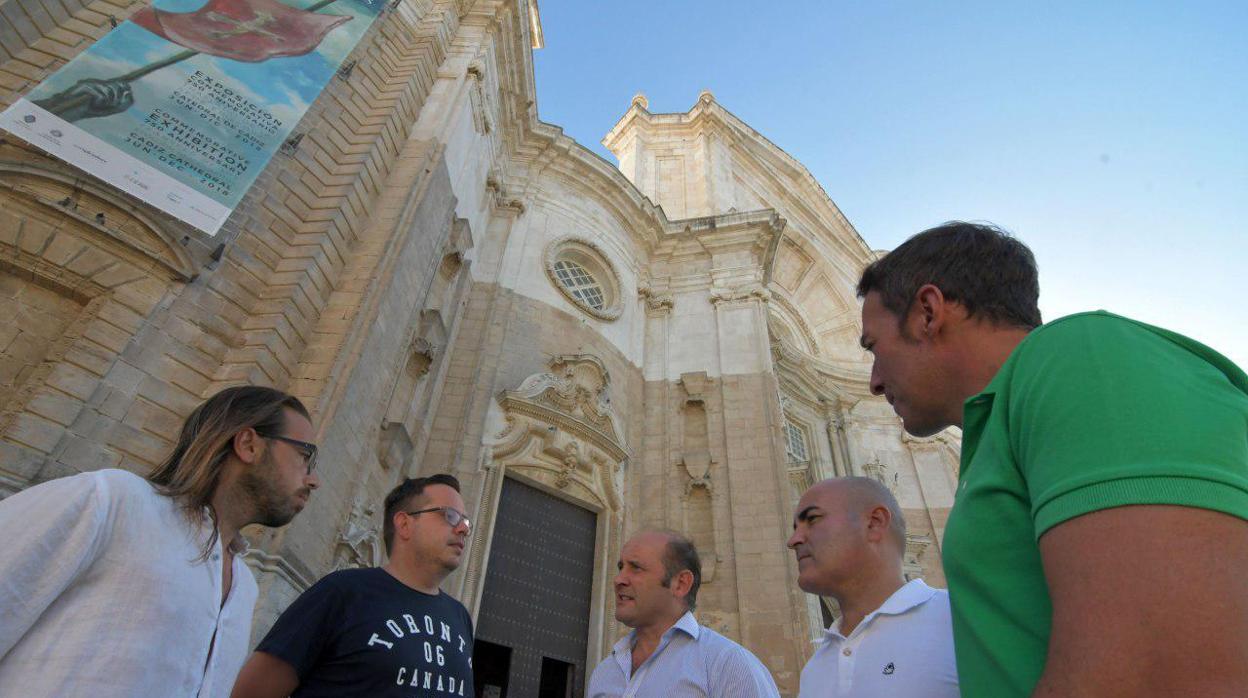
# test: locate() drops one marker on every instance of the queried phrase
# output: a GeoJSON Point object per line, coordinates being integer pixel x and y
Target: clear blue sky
{"type": "Point", "coordinates": [1112, 137]}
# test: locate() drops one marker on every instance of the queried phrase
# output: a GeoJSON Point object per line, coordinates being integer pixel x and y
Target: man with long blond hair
{"type": "Point", "coordinates": [116, 585]}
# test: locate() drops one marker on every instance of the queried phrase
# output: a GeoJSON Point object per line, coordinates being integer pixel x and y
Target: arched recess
{"type": "Point", "coordinates": [786, 324]}
{"type": "Point", "coordinates": [97, 212]}
{"type": "Point", "coordinates": [81, 271]}
{"type": "Point", "coordinates": [560, 435]}
{"type": "Point", "coordinates": [816, 300]}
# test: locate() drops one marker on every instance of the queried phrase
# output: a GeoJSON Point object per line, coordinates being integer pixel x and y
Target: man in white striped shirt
{"type": "Point", "coordinates": [668, 653]}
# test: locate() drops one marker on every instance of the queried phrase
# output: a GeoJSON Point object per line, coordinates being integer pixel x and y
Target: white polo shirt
{"type": "Point", "coordinates": [904, 649]}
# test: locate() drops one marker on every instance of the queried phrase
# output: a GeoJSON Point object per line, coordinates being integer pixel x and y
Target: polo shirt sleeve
{"type": "Point", "coordinates": [1106, 412]}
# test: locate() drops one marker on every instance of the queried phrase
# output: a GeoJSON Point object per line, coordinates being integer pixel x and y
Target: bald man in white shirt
{"type": "Point", "coordinates": [894, 638]}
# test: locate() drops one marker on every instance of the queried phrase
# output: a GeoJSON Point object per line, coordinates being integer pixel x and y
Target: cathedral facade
{"type": "Point", "coordinates": [452, 285]}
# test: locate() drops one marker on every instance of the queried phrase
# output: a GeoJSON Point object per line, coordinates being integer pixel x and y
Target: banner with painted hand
{"type": "Point", "coordinates": [185, 103]}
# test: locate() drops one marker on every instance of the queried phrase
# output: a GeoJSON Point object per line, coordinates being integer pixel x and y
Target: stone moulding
{"type": "Point", "coordinates": [261, 561]}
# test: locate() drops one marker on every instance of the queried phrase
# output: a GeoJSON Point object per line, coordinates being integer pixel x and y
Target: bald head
{"type": "Point", "coordinates": [859, 495]}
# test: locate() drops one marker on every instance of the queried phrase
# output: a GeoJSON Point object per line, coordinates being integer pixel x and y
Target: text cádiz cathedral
{"type": "Point", "coordinates": [452, 285]}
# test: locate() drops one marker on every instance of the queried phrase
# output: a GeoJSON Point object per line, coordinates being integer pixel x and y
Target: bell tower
{"type": "Point", "coordinates": [683, 162]}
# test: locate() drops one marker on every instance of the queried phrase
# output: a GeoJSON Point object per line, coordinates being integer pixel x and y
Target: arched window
{"type": "Point", "coordinates": [580, 270]}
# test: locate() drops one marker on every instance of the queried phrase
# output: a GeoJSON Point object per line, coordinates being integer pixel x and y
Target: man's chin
{"type": "Point", "coordinates": [276, 518]}
{"type": "Point", "coordinates": [920, 429]}
{"type": "Point", "coordinates": [811, 585]}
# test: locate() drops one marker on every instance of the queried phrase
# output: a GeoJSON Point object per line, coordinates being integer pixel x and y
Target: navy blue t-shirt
{"type": "Point", "coordinates": [361, 632]}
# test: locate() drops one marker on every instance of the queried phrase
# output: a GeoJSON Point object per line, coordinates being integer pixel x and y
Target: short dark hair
{"type": "Point", "coordinates": [978, 265]}
{"type": "Point", "coordinates": [679, 555]}
{"type": "Point", "coordinates": [401, 497]}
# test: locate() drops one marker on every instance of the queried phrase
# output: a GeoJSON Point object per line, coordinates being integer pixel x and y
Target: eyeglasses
{"type": "Point", "coordinates": [306, 450]}
{"type": "Point", "coordinates": [453, 516]}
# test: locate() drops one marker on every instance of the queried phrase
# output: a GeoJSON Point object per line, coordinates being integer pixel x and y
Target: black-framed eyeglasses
{"type": "Point", "coordinates": [306, 450]}
{"type": "Point", "coordinates": [453, 516]}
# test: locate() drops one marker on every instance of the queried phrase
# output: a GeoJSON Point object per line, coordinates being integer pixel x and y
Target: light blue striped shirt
{"type": "Point", "coordinates": [691, 660]}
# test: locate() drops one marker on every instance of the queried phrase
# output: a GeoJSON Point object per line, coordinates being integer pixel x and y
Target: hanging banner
{"type": "Point", "coordinates": [184, 104]}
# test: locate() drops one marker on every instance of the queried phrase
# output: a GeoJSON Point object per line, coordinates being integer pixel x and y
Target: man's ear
{"type": "Point", "coordinates": [246, 446]}
{"type": "Point", "coordinates": [682, 583]}
{"type": "Point", "coordinates": [399, 521]}
{"type": "Point", "coordinates": [879, 519]}
{"type": "Point", "coordinates": [930, 311]}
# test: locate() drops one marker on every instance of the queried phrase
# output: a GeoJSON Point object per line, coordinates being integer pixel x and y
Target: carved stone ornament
{"type": "Point", "coordinates": [577, 387]}
{"type": "Point", "coordinates": [359, 543]}
{"type": "Point", "coordinates": [876, 470]}
{"type": "Point", "coordinates": [559, 428]}
{"type": "Point", "coordinates": [698, 466]}
{"type": "Point", "coordinates": [657, 303]}
{"type": "Point", "coordinates": [423, 354]}
{"type": "Point", "coordinates": [916, 545]}
{"type": "Point", "coordinates": [745, 292]}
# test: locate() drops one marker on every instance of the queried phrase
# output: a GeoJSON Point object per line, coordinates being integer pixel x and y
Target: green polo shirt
{"type": "Point", "coordinates": [1090, 412]}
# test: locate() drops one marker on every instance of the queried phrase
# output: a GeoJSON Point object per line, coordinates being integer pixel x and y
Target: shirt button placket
{"type": "Point", "coordinates": [846, 682]}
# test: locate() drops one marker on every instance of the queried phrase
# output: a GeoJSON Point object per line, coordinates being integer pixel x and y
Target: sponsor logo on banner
{"type": "Point", "coordinates": [183, 105]}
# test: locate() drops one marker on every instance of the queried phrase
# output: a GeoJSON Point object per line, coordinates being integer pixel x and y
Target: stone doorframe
{"type": "Point", "coordinates": [558, 434]}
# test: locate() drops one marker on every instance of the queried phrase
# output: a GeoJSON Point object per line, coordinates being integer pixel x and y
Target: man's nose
{"type": "Point", "coordinates": [877, 385]}
{"type": "Point", "coordinates": [794, 540]}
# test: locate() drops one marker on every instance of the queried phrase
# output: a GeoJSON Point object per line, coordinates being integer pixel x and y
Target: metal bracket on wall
{"type": "Point", "coordinates": [291, 144]}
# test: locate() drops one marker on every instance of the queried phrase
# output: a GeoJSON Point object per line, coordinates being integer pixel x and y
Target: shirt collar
{"type": "Point", "coordinates": [237, 546]}
{"type": "Point", "coordinates": [686, 624]}
{"type": "Point", "coordinates": [689, 625]}
{"type": "Point", "coordinates": [913, 593]}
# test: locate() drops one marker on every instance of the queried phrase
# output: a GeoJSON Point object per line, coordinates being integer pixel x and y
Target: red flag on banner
{"type": "Point", "coordinates": [241, 30]}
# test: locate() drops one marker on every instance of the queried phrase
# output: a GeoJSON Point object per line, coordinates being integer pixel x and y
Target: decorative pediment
{"type": "Point", "coordinates": [558, 429]}
{"type": "Point", "coordinates": [573, 395]}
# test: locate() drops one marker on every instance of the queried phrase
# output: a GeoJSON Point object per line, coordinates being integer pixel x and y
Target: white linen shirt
{"type": "Point", "coordinates": [102, 594]}
{"type": "Point", "coordinates": [904, 649]}
{"type": "Point", "coordinates": [691, 660]}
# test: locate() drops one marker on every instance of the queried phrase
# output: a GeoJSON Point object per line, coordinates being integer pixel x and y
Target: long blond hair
{"type": "Point", "coordinates": [192, 471]}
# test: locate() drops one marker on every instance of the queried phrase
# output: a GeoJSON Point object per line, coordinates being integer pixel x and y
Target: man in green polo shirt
{"type": "Point", "coordinates": [1098, 543]}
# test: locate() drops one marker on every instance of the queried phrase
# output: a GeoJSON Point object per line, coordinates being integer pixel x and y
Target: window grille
{"type": "Point", "coordinates": [795, 443]}
{"type": "Point", "coordinates": [580, 283]}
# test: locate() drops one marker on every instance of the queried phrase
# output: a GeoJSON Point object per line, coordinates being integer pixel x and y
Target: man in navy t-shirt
{"type": "Point", "coordinates": [383, 631]}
